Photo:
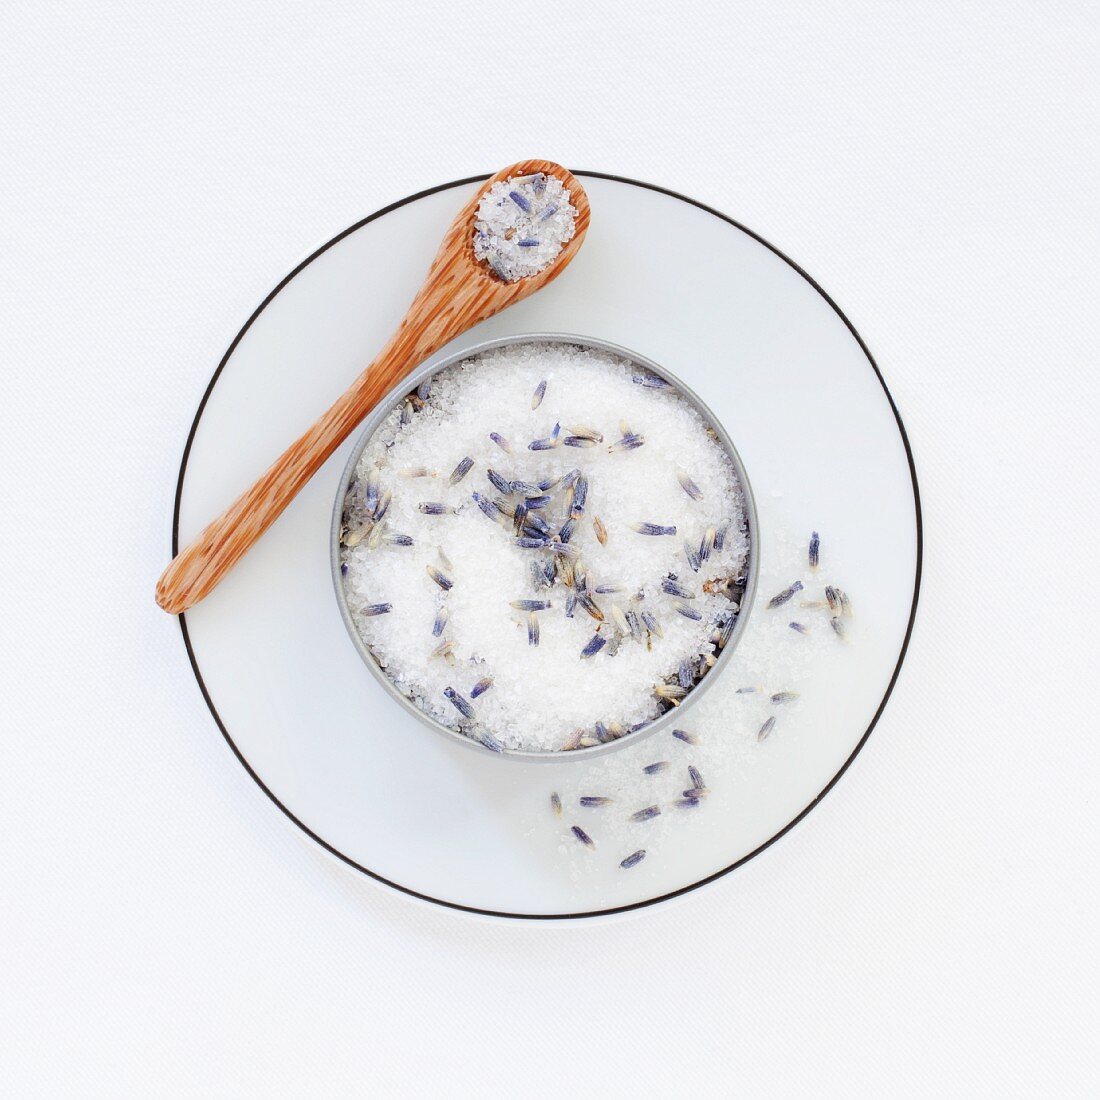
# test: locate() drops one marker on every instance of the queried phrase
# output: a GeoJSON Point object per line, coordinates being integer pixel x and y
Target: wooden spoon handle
{"type": "Point", "coordinates": [198, 568]}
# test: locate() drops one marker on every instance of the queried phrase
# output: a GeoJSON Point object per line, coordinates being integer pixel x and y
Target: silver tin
{"type": "Point", "coordinates": [394, 398]}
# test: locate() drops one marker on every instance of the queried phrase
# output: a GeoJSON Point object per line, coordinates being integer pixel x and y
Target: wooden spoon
{"type": "Point", "coordinates": [459, 291]}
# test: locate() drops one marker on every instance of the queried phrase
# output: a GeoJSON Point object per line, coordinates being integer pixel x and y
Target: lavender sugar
{"type": "Point", "coordinates": [522, 224]}
{"type": "Point", "coordinates": [564, 586]}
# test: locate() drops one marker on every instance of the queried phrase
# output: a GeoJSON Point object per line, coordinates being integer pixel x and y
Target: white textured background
{"type": "Point", "coordinates": [931, 929]}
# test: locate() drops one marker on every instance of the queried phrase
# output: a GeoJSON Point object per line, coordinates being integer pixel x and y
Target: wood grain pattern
{"type": "Point", "coordinates": [458, 292]}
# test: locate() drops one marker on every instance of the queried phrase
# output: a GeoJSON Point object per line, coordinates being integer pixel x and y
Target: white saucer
{"type": "Point", "coordinates": [823, 447]}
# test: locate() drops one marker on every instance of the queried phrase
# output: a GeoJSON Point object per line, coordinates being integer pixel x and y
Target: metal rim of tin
{"type": "Point", "coordinates": [394, 398]}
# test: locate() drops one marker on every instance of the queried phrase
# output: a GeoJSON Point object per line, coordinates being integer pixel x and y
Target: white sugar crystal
{"type": "Point", "coordinates": [522, 224]}
{"type": "Point", "coordinates": [540, 695]}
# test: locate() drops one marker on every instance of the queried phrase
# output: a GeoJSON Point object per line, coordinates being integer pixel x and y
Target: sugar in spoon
{"type": "Point", "coordinates": [459, 291]}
